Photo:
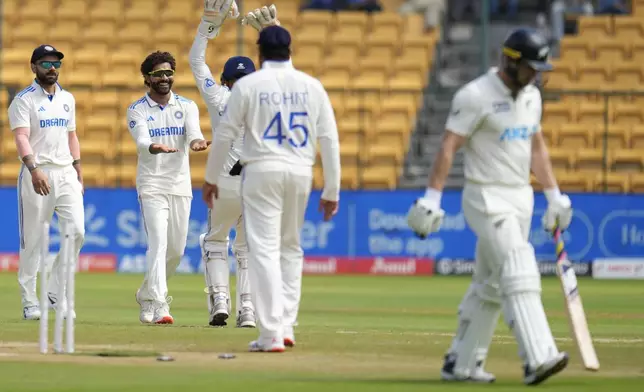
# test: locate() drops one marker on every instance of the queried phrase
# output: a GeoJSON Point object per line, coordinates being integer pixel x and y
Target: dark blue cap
{"type": "Point", "coordinates": [274, 37]}
{"type": "Point", "coordinates": [45, 50]}
{"type": "Point", "coordinates": [238, 66]}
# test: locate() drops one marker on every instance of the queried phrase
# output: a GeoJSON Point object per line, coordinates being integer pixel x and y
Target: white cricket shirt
{"type": "Point", "coordinates": [176, 125]}
{"type": "Point", "coordinates": [285, 113]}
{"type": "Point", "coordinates": [216, 97]}
{"type": "Point", "coordinates": [49, 119]}
{"type": "Point", "coordinates": [498, 128]}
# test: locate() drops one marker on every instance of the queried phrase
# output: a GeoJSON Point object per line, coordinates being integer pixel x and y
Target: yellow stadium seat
{"type": "Point", "coordinates": [575, 48]}
{"type": "Point", "coordinates": [559, 112]}
{"type": "Point", "coordinates": [106, 10]}
{"type": "Point", "coordinates": [9, 13]}
{"type": "Point", "coordinates": [361, 104]}
{"type": "Point", "coordinates": [561, 158]}
{"type": "Point", "coordinates": [120, 77]}
{"type": "Point", "coordinates": [333, 79]}
{"type": "Point", "coordinates": [551, 134]}
{"type": "Point", "coordinates": [591, 113]}
{"type": "Point", "coordinates": [595, 26]}
{"type": "Point", "coordinates": [171, 33]}
{"type": "Point", "coordinates": [349, 178]}
{"type": "Point", "coordinates": [574, 181]}
{"type": "Point", "coordinates": [134, 32]}
{"type": "Point", "coordinates": [386, 20]}
{"type": "Point", "coordinates": [616, 136]}
{"type": "Point", "coordinates": [124, 175]}
{"type": "Point", "coordinates": [610, 50]}
{"type": "Point", "coordinates": [349, 37]}
{"type": "Point", "coordinates": [123, 59]}
{"type": "Point", "coordinates": [593, 75]}
{"type": "Point", "coordinates": [310, 18]}
{"type": "Point", "coordinates": [18, 57]}
{"type": "Point", "coordinates": [379, 177]}
{"type": "Point", "coordinates": [318, 177]}
{"type": "Point", "coordinates": [106, 99]}
{"type": "Point", "coordinates": [139, 11]}
{"type": "Point", "coordinates": [589, 160]}
{"type": "Point", "coordinates": [413, 25]}
{"type": "Point", "coordinates": [15, 75]}
{"type": "Point", "coordinates": [28, 32]}
{"type": "Point", "coordinates": [9, 172]}
{"type": "Point", "coordinates": [71, 11]}
{"type": "Point", "coordinates": [627, 75]}
{"type": "Point", "coordinates": [82, 76]}
{"type": "Point", "coordinates": [103, 32]}
{"type": "Point", "coordinates": [369, 80]}
{"type": "Point", "coordinates": [344, 19]}
{"type": "Point", "coordinates": [637, 182]}
{"type": "Point", "coordinates": [65, 33]}
{"type": "Point", "coordinates": [627, 113]}
{"type": "Point", "coordinates": [406, 83]}
{"type": "Point", "coordinates": [383, 154]}
{"type": "Point", "coordinates": [177, 12]}
{"type": "Point", "coordinates": [626, 160]}
{"type": "Point", "coordinates": [349, 151]}
{"type": "Point", "coordinates": [628, 29]}
{"type": "Point", "coordinates": [637, 52]}
{"type": "Point", "coordinates": [576, 135]}
{"type": "Point", "coordinates": [612, 182]}
{"type": "Point", "coordinates": [637, 137]}
{"type": "Point", "coordinates": [405, 65]}
{"type": "Point", "coordinates": [33, 10]}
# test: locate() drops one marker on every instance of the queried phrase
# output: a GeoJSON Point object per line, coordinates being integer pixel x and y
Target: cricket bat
{"type": "Point", "coordinates": [574, 306]}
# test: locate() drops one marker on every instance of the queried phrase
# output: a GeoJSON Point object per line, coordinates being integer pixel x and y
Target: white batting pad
{"type": "Point", "coordinates": [522, 307]}
{"type": "Point", "coordinates": [476, 324]}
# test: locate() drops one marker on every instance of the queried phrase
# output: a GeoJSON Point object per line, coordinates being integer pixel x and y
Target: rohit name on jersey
{"type": "Point", "coordinates": [522, 132]}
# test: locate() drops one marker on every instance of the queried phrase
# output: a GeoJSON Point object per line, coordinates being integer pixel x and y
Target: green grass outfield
{"type": "Point", "coordinates": [355, 334]}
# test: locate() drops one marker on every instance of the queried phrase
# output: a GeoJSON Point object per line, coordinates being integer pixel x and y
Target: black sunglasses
{"type": "Point", "coordinates": [162, 72]}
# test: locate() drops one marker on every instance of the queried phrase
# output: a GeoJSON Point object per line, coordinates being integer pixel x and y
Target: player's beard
{"type": "Point", "coordinates": [162, 87]}
{"type": "Point", "coordinates": [47, 78]}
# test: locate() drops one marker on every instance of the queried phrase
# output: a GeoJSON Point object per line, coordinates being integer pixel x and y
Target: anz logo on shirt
{"type": "Point", "coordinates": [54, 122]}
{"type": "Point", "coordinates": [519, 133]}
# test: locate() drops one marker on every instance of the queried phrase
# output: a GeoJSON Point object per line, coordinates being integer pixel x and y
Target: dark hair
{"type": "Point", "coordinates": [275, 53]}
{"type": "Point", "coordinates": [155, 59]}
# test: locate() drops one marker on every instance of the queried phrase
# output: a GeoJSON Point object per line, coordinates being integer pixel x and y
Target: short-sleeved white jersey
{"type": "Point", "coordinates": [49, 119]}
{"type": "Point", "coordinates": [285, 113]}
{"type": "Point", "coordinates": [498, 128]}
{"type": "Point", "coordinates": [175, 125]}
{"type": "Point", "coordinates": [215, 95]}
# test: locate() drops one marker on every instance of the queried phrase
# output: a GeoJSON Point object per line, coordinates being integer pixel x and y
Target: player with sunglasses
{"type": "Point", "coordinates": [227, 210]}
{"type": "Point", "coordinates": [43, 120]}
{"type": "Point", "coordinates": [165, 127]}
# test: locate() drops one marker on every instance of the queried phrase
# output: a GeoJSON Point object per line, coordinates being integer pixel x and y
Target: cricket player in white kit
{"type": "Point", "coordinates": [164, 126]}
{"type": "Point", "coordinates": [227, 209]}
{"type": "Point", "coordinates": [496, 118]}
{"type": "Point", "coordinates": [43, 120]}
{"type": "Point", "coordinates": [284, 113]}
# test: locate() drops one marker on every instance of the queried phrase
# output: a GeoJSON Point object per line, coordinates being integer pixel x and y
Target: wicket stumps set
{"type": "Point", "coordinates": [66, 279]}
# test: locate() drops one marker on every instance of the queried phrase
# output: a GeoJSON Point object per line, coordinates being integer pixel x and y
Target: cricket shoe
{"type": "Point", "coordinates": [53, 302]}
{"type": "Point", "coordinates": [146, 315]}
{"type": "Point", "coordinates": [162, 312]}
{"type": "Point", "coordinates": [289, 337]}
{"type": "Point", "coordinates": [31, 313]}
{"type": "Point", "coordinates": [276, 346]}
{"type": "Point", "coordinates": [246, 318]}
{"type": "Point", "coordinates": [477, 375]}
{"type": "Point", "coordinates": [547, 370]}
{"type": "Point", "coordinates": [289, 342]}
{"type": "Point", "coordinates": [218, 309]}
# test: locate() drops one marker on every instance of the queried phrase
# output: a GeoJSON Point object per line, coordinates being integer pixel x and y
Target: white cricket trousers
{"type": "Point", "coordinates": [166, 219]}
{"type": "Point", "coordinates": [34, 210]}
{"type": "Point", "coordinates": [275, 196]}
{"type": "Point", "coordinates": [226, 214]}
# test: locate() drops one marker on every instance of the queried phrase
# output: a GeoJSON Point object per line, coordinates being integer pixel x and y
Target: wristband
{"type": "Point", "coordinates": [433, 195]}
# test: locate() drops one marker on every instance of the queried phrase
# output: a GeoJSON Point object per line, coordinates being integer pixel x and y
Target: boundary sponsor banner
{"type": "Point", "coordinates": [87, 262]}
{"type": "Point", "coordinates": [466, 267]}
{"type": "Point", "coordinates": [367, 266]}
{"type": "Point", "coordinates": [618, 268]}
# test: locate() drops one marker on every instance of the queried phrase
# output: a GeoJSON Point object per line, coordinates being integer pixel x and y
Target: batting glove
{"type": "Point", "coordinates": [261, 18]}
{"type": "Point", "coordinates": [425, 217]}
{"type": "Point", "coordinates": [558, 214]}
{"type": "Point", "coordinates": [215, 13]}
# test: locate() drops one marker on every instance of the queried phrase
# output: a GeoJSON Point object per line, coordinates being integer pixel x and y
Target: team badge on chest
{"type": "Point", "coordinates": [178, 115]}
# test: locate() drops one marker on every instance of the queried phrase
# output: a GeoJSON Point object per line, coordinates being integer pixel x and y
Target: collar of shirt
{"type": "Point", "coordinates": [57, 88]}
{"type": "Point", "coordinates": [153, 103]}
{"type": "Point", "coordinates": [277, 64]}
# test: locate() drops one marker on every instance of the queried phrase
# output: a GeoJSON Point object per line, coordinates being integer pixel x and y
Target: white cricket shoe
{"type": "Point", "coordinates": [53, 304]}
{"type": "Point", "coordinates": [219, 309]}
{"type": "Point", "coordinates": [31, 313]}
{"type": "Point", "coordinates": [547, 370]}
{"type": "Point", "coordinates": [276, 346]}
{"type": "Point", "coordinates": [146, 315]}
{"type": "Point", "coordinates": [162, 312]}
{"type": "Point", "coordinates": [246, 318]}
{"type": "Point", "coordinates": [478, 375]}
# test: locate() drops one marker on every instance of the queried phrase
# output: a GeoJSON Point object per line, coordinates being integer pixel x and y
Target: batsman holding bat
{"type": "Point", "coordinates": [496, 118]}
{"type": "Point", "coordinates": [226, 212]}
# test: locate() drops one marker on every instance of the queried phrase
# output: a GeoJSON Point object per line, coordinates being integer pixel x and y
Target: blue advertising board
{"type": "Point", "coordinates": [369, 223]}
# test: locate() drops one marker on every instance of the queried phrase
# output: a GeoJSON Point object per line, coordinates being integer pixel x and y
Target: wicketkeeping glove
{"type": "Point", "coordinates": [424, 217]}
{"type": "Point", "coordinates": [559, 213]}
{"type": "Point", "coordinates": [215, 13]}
{"type": "Point", "coordinates": [262, 18]}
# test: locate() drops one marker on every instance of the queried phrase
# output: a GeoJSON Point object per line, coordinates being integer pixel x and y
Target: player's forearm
{"type": "Point", "coordinates": [542, 169]}
{"type": "Point", "coordinates": [216, 160]}
{"type": "Point", "coordinates": [440, 169]}
{"type": "Point", "coordinates": [23, 146]}
{"type": "Point", "coordinates": [330, 152]}
{"type": "Point", "coordinates": [74, 149]}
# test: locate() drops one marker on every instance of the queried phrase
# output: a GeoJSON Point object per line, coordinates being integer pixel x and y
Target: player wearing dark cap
{"type": "Point", "coordinates": [496, 118]}
{"type": "Point", "coordinates": [227, 211]}
{"type": "Point", "coordinates": [285, 114]}
{"type": "Point", "coordinates": [43, 120]}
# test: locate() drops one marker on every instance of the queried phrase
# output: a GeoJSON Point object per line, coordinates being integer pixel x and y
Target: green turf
{"type": "Point", "coordinates": [355, 334]}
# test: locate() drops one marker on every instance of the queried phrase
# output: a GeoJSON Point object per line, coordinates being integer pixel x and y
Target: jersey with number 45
{"type": "Point", "coordinates": [284, 112]}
